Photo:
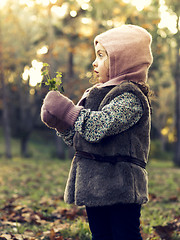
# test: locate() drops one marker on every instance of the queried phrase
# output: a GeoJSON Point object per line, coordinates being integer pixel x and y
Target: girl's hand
{"type": "Point", "coordinates": [52, 121]}
{"type": "Point", "coordinates": [61, 107]}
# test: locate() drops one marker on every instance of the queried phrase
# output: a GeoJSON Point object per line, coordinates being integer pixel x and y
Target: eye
{"type": "Point", "coordinates": [100, 54]}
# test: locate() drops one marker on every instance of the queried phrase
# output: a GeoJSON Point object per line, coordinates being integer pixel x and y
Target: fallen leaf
{"type": "Point", "coordinates": [60, 238]}
{"type": "Point", "coordinates": [173, 199]}
{"type": "Point", "coordinates": [52, 234]}
{"type": "Point", "coordinates": [5, 236]}
{"type": "Point", "coordinates": [165, 232]}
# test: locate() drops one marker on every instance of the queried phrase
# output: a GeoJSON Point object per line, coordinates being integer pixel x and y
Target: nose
{"type": "Point", "coordinates": [94, 63]}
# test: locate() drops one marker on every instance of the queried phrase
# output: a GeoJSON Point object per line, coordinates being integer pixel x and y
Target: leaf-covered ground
{"type": "Point", "coordinates": [32, 207]}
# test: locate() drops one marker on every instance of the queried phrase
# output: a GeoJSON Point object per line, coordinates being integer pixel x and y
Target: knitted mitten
{"type": "Point", "coordinates": [61, 107]}
{"type": "Point", "coordinates": [52, 121]}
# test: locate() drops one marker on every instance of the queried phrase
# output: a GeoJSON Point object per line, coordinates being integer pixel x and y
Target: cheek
{"type": "Point", "coordinates": [106, 68]}
{"type": "Point", "coordinates": [104, 74]}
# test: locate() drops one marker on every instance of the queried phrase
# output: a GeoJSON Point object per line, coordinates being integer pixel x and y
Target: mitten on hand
{"type": "Point", "coordinates": [52, 121]}
{"type": "Point", "coordinates": [61, 107]}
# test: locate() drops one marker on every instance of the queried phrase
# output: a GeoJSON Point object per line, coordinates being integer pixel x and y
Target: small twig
{"type": "Point", "coordinates": [53, 83]}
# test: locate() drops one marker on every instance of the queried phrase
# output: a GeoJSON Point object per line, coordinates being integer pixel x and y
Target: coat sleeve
{"type": "Point", "coordinates": [67, 136]}
{"type": "Point", "coordinates": [120, 114]}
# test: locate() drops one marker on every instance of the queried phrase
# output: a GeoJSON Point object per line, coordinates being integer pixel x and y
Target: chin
{"type": "Point", "coordinates": [102, 81]}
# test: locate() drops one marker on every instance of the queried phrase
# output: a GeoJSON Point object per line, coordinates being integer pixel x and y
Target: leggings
{"type": "Point", "coordinates": [116, 222]}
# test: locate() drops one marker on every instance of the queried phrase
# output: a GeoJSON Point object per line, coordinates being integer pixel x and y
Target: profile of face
{"type": "Point", "coordinates": [101, 64]}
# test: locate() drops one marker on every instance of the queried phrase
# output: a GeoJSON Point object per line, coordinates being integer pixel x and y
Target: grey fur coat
{"type": "Point", "coordinates": [94, 183]}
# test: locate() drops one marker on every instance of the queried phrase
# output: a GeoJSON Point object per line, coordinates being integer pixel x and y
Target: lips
{"type": "Point", "coordinates": [96, 72]}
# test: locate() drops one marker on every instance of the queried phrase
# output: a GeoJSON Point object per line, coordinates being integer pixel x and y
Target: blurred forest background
{"type": "Point", "coordinates": [61, 33]}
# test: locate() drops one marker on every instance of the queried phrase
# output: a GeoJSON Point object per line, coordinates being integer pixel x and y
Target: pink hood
{"type": "Point", "coordinates": [129, 51]}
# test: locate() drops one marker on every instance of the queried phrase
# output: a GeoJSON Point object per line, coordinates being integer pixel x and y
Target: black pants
{"type": "Point", "coordinates": [116, 222]}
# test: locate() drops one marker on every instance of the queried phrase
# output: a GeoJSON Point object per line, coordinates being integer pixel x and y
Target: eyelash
{"type": "Point", "coordinates": [100, 55]}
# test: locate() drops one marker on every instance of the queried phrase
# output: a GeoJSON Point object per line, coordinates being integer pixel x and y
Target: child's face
{"type": "Point", "coordinates": [101, 64]}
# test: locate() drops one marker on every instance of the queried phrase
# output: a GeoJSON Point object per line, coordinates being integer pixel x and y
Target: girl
{"type": "Point", "coordinates": [110, 131]}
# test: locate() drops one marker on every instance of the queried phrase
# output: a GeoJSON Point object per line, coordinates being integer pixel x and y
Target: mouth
{"type": "Point", "coordinates": [96, 72]}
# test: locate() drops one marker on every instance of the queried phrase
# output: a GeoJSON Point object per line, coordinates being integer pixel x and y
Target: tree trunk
{"type": "Point", "coordinates": [25, 123]}
{"type": "Point", "coordinates": [71, 65]}
{"type": "Point", "coordinates": [177, 113]}
{"type": "Point", "coordinates": [24, 145]}
{"type": "Point", "coordinates": [6, 124]}
{"type": "Point", "coordinates": [163, 142]}
{"type": "Point", "coordinates": [177, 106]}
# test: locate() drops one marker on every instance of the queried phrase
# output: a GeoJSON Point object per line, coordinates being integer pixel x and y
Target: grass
{"type": "Point", "coordinates": [164, 193]}
{"type": "Point", "coordinates": [33, 179]}
{"type": "Point", "coordinates": [31, 197]}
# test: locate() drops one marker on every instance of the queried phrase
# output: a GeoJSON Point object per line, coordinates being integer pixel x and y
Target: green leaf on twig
{"type": "Point", "coordinates": [53, 83]}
